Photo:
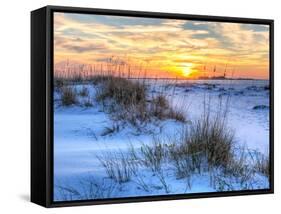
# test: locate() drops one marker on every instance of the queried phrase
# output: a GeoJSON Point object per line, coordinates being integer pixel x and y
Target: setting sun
{"type": "Point", "coordinates": [187, 72]}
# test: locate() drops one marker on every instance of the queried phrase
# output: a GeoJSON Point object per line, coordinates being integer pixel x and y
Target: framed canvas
{"type": "Point", "coordinates": [131, 106]}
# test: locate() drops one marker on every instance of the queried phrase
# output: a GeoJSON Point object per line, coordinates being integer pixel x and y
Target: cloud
{"type": "Point", "coordinates": [81, 48]}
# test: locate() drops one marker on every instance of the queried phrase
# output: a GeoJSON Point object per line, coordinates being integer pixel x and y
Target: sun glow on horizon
{"type": "Point", "coordinates": [187, 72]}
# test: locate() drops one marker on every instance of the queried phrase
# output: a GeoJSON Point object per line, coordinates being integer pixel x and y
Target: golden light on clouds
{"type": "Point", "coordinates": [163, 47]}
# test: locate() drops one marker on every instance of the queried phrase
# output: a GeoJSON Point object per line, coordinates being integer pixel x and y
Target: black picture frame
{"type": "Point", "coordinates": [42, 104]}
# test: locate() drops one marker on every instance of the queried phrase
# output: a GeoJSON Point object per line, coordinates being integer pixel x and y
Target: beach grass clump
{"type": "Point", "coordinates": [161, 109]}
{"type": "Point", "coordinates": [206, 142]}
{"type": "Point", "coordinates": [181, 161]}
{"type": "Point", "coordinates": [184, 160]}
{"type": "Point", "coordinates": [84, 92]}
{"type": "Point", "coordinates": [177, 115]}
{"type": "Point", "coordinates": [124, 92]}
{"type": "Point", "coordinates": [212, 138]}
{"type": "Point", "coordinates": [88, 103]}
{"type": "Point", "coordinates": [153, 155]}
{"type": "Point", "coordinates": [68, 96]}
{"type": "Point", "coordinates": [128, 100]}
{"type": "Point", "coordinates": [117, 166]}
{"type": "Point", "coordinates": [261, 164]}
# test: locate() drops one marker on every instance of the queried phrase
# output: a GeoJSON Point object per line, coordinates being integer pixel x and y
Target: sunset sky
{"type": "Point", "coordinates": [163, 47]}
